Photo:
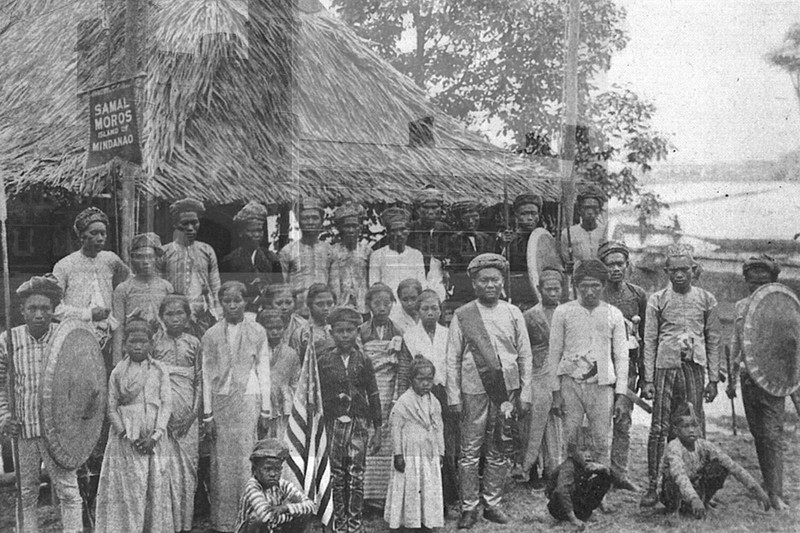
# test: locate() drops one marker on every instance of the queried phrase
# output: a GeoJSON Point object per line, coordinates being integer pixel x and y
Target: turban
{"type": "Point", "coordinates": [87, 217]}
{"type": "Point", "coordinates": [46, 285]}
{"type": "Point", "coordinates": [251, 211]}
{"type": "Point", "coordinates": [592, 191]}
{"type": "Point", "coordinates": [612, 247]}
{"type": "Point", "coordinates": [311, 203]}
{"type": "Point", "coordinates": [274, 448]}
{"type": "Point", "coordinates": [526, 199]}
{"type": "Point", "coordinates": [187, 205]}
{"type": "Point", "coordinates": [763, 261]}
{"type": "Point", "coordinates": [345, 314]}
{"type": "Point", "coordinates": [147, 240]}
{"type": "Point", "coordinates": [461, 208]}
{"type": "Point", "coordinates": [550, 274]}
{"type": "Point", "coordinates": [681, 250]}
{"type": "Point", "coordinates": [593, 268]}
{"type": "Point", "coordinates": [429, 195]}
{"type": "Point", "coordinates": [395, 215]}
{"type": "Point", "coordinates": [487, 261]}
{"type": "Point", "coordinates": [348, 210]}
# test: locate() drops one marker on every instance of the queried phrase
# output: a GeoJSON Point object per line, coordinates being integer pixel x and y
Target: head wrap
{"type": "Point", "coordinates": [269, 448]}
{"type": "Point", "coordinates": [526, 199]}
{"type": "Point", "coordinates": [592, 191]}
{"type": "Point", "coordinates": [187, 205]}
{"type": "Point", "coordinates": [429, 195]}
{"type": "Point", "coordinates": [681, 250]}
{"type": "Point", "coordinates": [147, 240]}
{"type": "Point", "coordinates": [136, 323]}
{"type": "Point", "coordinates": [590, 268]}
{"type": "Point", "coordinates": [378, 288]}
{"type": "Point", "coordinates": [549, 274]}
{"type": "Point", "coordinates": [394, 216]}
{"type": "Point", "coordinates": [87, 217]}
{"type": "Point", "coordinates": [683, 409]}
{"type": "Point", "coordinates": [251, 211]}
{"type": "Point", "coordinates": [461, 208]}
{"type": "Point", "coordinates": [345, 314]}
{"type": "Point", "coordinates": [46, 285]}
{"type": "Point", "coordinates": [316, 289]}
{"type": "Point", "coordinates": [348, 210]}
{"type": "Point", "coordinates": [310, 203]}
{"type": "Point", "coordinates": [232, 284]}
{"type": "Point", "coordinates": [612, 247]}
{"type": "Point", "coordinates": [762, 261]}
{"type": "Point", "coordinates": [268, 313]}
{"type": "Point", "coordinates": [487, 261]}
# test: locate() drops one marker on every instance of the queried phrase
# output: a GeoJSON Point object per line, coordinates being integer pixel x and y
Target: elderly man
{"type": "Point", "coordinates": [429, 235]}
{"type": "Point", "coordinates": [191, 265]}
{"type": "Point", "coordinates": [39, 297]}
{"type": "Point", "coordinates": [397, 261]}
{"type": "Point", "coordinates": [581, 241]}
{"type": "Point", "coordinates": [589, 350]}
{"type": "Point", "coordinates": [632, 301]}
{"type": "Point", "coordinates": [488, 381]}
{"type": "Point", "coordinates": [88, 278]}
{"type": "Point", "coordinates": [305, 262]}
{"type": "Point", "coordinates": [681, 340]}
{"type": "Point", "coordinates": [251, 263]}
{"type": "Point", "coordinates": [463, 246]}
{"type": "Point", "coordinates": [349, 259]}
{"type": "Point", "coordinates": [763, 410]}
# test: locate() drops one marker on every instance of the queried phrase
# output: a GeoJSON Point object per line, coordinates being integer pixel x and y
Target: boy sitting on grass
{"type": "Point", "coordinates": [694, 469]}
{"type": "Point", "coordinates": [270, 504]}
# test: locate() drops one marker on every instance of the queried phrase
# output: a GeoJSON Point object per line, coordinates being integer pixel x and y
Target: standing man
{"type": "Point", "coordinates": [191, 265]}
{"type": "Point", "coordinates": [463, 247]}
{"type": "Point", "coordinates": [763, 410]}
{"type": "Point", "coordinates": [251, 263]}
{"type": "Point", "coordinates": [429, 235]}
{"type": "Point", "coordinates": [39, 297]}
{"type": "Point", "coordinates": [681, 340]}
{"type": "Point", "coordinates": [488, 382]}
{"type": "Point", "coordinates": [581, 241]}
{"type": "Point", "coordinates": [632, 301]}
{"type": "Point", "coordinates": [349, 259]}
{"type": "Point", "coordinates": [589, 350]}
{"type": "Point", "coordinates": [305, 262]}
{"type": "Point", "coordinates": [397, 261]}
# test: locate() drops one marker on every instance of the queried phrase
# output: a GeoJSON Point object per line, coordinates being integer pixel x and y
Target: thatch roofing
{"type": "Point", "coordinates": [216, 100]}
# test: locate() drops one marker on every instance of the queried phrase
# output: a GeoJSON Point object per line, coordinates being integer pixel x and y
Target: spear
{"type": "Point", "coordinates": [506, 221]}
{"type": "Point", "coordinates": [730, 377]}
{"type": "Point", "coordinates": [10, 374]}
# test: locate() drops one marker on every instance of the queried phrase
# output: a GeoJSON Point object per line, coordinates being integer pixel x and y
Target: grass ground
{"type": "Point", "coordinates": [735, 512]}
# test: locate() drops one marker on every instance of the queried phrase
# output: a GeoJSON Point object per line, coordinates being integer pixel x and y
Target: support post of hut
{"type": "Point", "coordinates": [568, 192]}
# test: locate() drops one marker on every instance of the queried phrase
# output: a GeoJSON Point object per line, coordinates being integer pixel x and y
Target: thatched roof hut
{"type": "Point", "coordinates": [221, 79]}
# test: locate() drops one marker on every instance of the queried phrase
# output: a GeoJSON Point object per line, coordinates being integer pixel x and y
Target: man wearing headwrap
{"type": "Point", "coordinates": [429, 235]}
{"type": "Point", "coordinates": [488, 382]}
{"type": "Point", "coordinates": [764, 411]}
{"type": "Point", "coordinates": [397, 261]}
{"type": "Point", "coordinates": [632, 301]}
{"type": "Point", "coordinates": [581, 241]}
{"type": "Point", "coordinates": [38, 299]}
{"type": "Point", "coordinates": [88, 278]}
{"type": "Point", "coordinates": [191, 265]}
{"type": "Point", "coordinates": [681, 340]}
{"type": "Point", "coordinates": [466, 244]}
{"type": "Point", "coordinates": [349, 259]}
{"type": "Point", "coordinates": [589, 352]}
{"type": "Point", "coordinates": [305, 261]}
{"type": "Point", "coordinates": [252, 263]}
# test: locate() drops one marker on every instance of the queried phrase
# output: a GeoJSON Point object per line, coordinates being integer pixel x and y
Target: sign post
{"type": "Point", "coordinates": [113, 130]}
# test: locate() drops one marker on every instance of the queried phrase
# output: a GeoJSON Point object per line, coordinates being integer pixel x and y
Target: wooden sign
{"type": "Point", "coordinates": [113, 131]}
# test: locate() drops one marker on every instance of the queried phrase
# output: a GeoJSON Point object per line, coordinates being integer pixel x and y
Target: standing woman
{"type": "Point", "coordinates": [236, 388]}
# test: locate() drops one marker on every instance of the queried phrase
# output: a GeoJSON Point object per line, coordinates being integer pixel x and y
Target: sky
{"type": "Point", "coordinates": [701, 62]}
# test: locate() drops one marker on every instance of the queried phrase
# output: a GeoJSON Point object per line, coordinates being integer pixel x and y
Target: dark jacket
{"type": "Point", "coordinates": [356, 382]}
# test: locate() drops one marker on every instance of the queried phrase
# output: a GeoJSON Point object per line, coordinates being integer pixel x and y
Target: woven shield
{"type": "Point", "coordinates": [771, 339]}
{"type": "Point", "coordinates": [73, 394]}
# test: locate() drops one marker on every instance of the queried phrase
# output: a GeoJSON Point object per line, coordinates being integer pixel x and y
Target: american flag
{"type": "Point", "coordinates": [308, 443]}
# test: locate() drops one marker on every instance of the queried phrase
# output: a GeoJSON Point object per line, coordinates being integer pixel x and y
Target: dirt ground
{"type": "Point", "coordinates": [735, 511]}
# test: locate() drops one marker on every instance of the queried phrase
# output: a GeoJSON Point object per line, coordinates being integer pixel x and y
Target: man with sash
{"type": "Point", "coordinates": [488, 381]}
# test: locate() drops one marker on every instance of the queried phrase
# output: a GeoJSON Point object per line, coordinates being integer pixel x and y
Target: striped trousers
{"type": "Point", "coordinates": [673, 386]}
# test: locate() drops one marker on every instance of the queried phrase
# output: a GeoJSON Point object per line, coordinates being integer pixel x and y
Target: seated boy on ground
{"type": "Point", "coordinates": [576, 488]}
{"type": "Point", "coordinates": [270, 504]}
{"type": "Point", "coordinates": [694, 469]}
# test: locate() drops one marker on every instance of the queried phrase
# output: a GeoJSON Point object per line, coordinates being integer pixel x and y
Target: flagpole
{"type": "Point", "coordinates": [10, 374]}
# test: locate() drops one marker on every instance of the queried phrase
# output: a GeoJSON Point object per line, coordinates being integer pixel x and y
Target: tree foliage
{"type": "Point", "coordinates": [787, 57]}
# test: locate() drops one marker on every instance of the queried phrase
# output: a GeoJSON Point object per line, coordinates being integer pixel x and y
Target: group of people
{"type": "Point", "coordinates": [446, 359]}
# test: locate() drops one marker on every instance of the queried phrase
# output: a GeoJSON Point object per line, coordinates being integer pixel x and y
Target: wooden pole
{"type": "Point", "coordinates": [10, 374]}
{"type": "Point", "coordinates": [568, 143]}
{"type": "Point", "coordinates": [127, 170]}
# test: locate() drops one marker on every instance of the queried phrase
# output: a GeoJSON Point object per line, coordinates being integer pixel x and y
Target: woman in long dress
{"type": "Point", "coordinates": [179, 352]}
{"type": "Point", "coordinates": [236, 388]}
{"type": "Point", "coordinates": [133, 493]}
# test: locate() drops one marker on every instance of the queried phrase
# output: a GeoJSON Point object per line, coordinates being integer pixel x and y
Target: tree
{"type": "Point", "coordinates": [787, 57]}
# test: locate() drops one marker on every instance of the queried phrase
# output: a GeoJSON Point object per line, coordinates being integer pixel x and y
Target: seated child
{"type": "Point", "coordinates": [694, 469]}
{"type": "Point", "coordinates": [270, 504]}
{"type": "Point", "coordinates": [284, 371]}
{"type": "Point", "coordinates": [576, 488]}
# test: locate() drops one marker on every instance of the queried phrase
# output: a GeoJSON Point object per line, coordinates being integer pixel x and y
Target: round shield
{"type": "Point", "coordinates": [771, 339]}
{"type": "Point", "coordinates": [73, 394]}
